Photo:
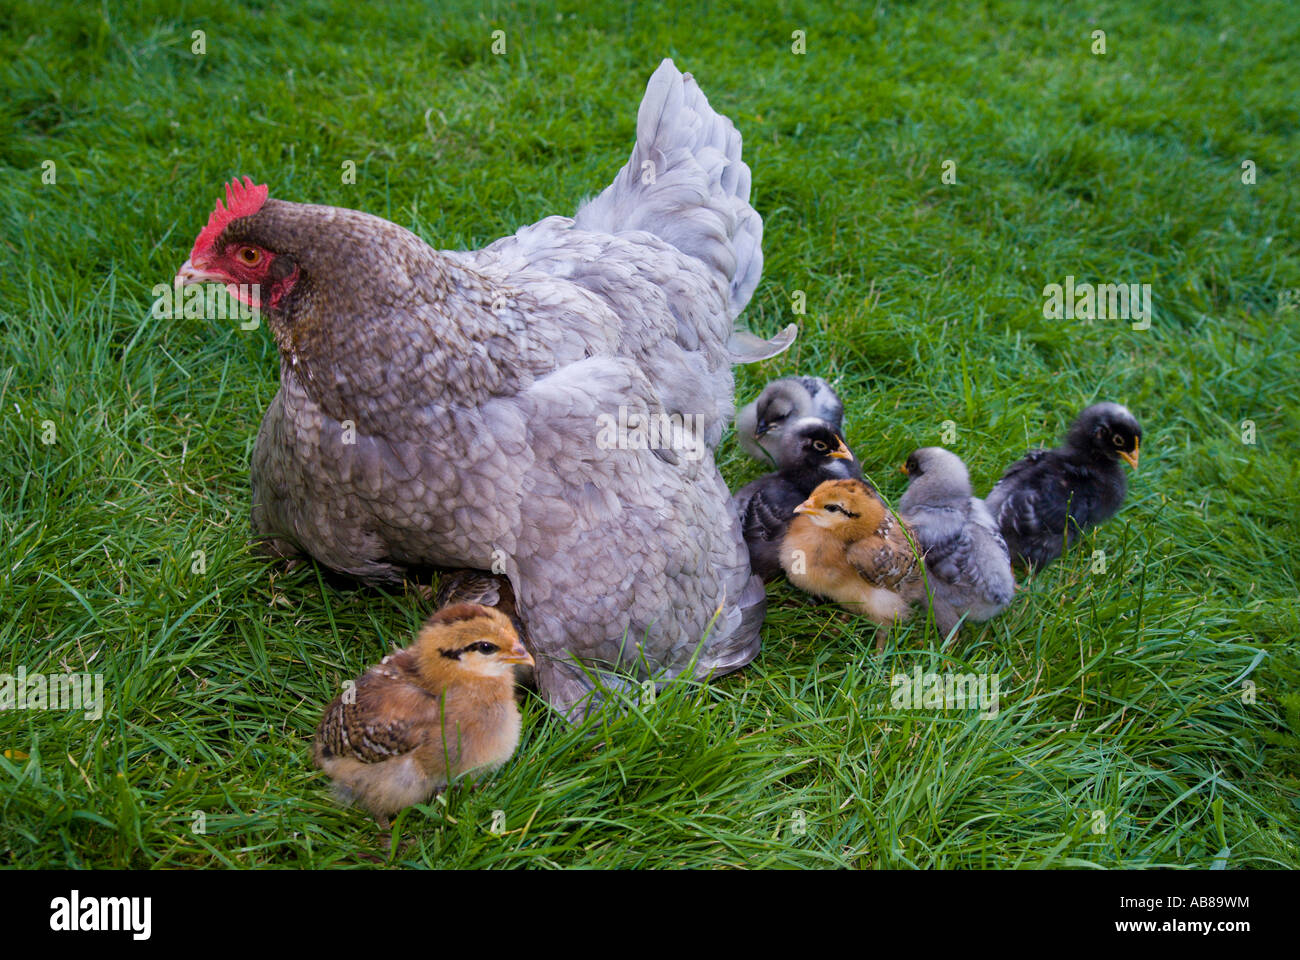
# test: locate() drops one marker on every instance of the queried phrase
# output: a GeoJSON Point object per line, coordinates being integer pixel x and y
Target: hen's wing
{"type": "Point", "coordinates": [667, 311]}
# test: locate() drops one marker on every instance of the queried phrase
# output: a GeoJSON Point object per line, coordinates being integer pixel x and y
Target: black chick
{"type": "Point", "coordinates": [1052, 496]}
{"type": "Point", "coordinates": [811, 452]}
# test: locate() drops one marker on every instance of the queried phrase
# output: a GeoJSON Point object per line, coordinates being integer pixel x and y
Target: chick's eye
{"type": "Point", "coordinates": [833, 508]}
{"type": "Point", "coordinates": [249, 255]}
{"type": "Point", "coordinates": [1119, 441]}
{"type": "Point", "coordinates": [819, 445]}
{"type": "Point", "coordinates": [486, 647]}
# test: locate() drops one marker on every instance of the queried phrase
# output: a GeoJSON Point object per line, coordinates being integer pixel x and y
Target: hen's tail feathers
{"type": "Point", "coordinates": [685, 183]}
{"type": "Point", "coordinates": [745, 640]}
{"type": "Point", "coordinates": [745, 347]}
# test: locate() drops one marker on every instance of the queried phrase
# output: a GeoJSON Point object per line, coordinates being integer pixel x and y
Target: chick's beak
{"type": "Point", "coordinates": [902, 468]}
{"type": "Point", "coordinates": [1131, 458]}
{"type": "Point", "coordinates": [806, 507]}
{"type": "Point", "coordinates": [762, 428]}
{"type": "Point", "coordinates": [190, 274]}
{"type": "Point", "coordinates": [841, 452]}
{"type": "Point", "coordinates": [518, 654]}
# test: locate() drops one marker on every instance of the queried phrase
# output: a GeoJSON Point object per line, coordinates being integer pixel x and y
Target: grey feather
{"type": "Point", "coordinates": [687, 184]}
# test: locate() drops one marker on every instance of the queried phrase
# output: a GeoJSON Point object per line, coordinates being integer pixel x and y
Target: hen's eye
{"type": "Point", "coordinates": [819, 445]}
{"type": "Point", "coordinates": [250, 255]}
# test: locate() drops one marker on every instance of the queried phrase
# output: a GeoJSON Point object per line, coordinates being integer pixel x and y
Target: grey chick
{"type": "Point", "coordinates": [966, 559]}
{"type": "Point", "coordinates": [760, 423]}
{"type": "Point", "coordinates": [811, 452]}
{"type": "Point", "coordinates": [1051, 496]}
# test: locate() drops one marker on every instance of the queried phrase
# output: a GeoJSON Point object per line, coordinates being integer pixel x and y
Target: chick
{"type": "Point", "coordinates": [810, 453]}
{"type": "Point", "coordinates": [966, 559]}
{"type": "Point", "coordinates": [425, 715]}
{"type": "Point", "coordinates": [846, 545]}
{"type": "Point", "coordinates": [1054, 495]}
{"type": "Point", "coordinates": [488, 590]}
{"type": "Point", "coordinates": [761, 423]}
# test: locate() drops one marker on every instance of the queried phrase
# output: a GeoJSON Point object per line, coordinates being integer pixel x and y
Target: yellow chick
{"type": "Point", "coordinates": [425, 715]}
{"type": "Point", "coordinates": [844, 544]}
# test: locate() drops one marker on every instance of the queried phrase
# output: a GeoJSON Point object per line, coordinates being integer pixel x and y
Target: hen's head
{"type": "Point", "coordinates": [233, 250]}
{"type": "Point", "coordinates": [303, 263]}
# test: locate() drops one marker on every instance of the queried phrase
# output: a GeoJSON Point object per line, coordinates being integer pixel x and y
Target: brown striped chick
{"type": "Point", "coordinates": [846, 545]}
{"type": "Point", "coordinates": [425, 715]}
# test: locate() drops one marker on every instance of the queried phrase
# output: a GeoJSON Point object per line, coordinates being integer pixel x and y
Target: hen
{"type": "Point", "coordinates": [498, 409]}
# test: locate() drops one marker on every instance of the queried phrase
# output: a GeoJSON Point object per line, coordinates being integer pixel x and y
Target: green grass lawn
{"type": "Point", "coordinates": [1127, 735]}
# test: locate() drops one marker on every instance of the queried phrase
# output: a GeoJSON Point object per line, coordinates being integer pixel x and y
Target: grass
{"type": "Point", "coordinates": [1122, 738]}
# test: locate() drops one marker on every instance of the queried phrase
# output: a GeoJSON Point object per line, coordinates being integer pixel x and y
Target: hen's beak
{"type": "Point", "coordinates": [1131, 458]}
{"type": "Point", "coordinates": [190, 274]}
{"type": "Point", "coordinates": [806, 507]}
{"type": "Point", "coordinates": [518, 654]}
{"type": "Point", "coordinates": [841, 452]}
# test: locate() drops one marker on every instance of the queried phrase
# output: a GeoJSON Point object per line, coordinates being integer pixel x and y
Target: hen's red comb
{"type": "Point", "coordinates": [242, 200]}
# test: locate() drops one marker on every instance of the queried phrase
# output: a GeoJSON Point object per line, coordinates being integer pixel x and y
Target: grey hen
{"type": "Point", "coordinates": [761, 422]}
{"type": "Point", "coordinates": [547, 405]}
{"type": "Point", "coordinates": [966, 559]}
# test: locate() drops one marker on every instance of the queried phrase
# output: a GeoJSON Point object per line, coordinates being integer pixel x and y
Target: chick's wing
{"type": "Point", "coordinates": [387, 716]}
{"type": "Point", "coordinates": [887, 560]}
